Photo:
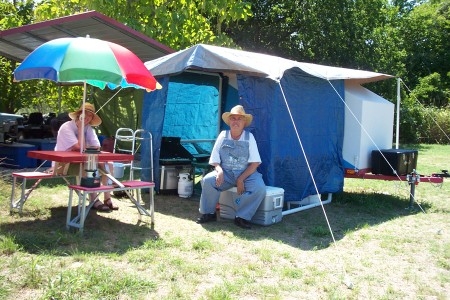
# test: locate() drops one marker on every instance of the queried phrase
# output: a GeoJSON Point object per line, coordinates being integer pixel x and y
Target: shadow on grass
{"type": "Point", "coordinates": [101, 234]}
{"type": "Point", "coordinates": [308, 229]}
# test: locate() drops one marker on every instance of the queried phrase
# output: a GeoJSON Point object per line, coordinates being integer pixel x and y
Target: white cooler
{"type": "Point", "coordinates": [269, 211]}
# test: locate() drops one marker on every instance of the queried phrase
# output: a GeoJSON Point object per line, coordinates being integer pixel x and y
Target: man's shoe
{"type": "Point", "coordinates": [242, 223]}
{"type": "Point", "coordinates": [207, 218]}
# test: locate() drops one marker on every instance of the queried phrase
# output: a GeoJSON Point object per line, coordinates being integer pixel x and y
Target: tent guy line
{"type": "Point", "coordinates": [112, 97]}
{"type": "Point", "coordinates": [347, 281]}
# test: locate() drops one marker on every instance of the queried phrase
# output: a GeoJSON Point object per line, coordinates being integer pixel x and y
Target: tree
{"type": "Point", "coordinates": [426, 32]}
{"type": "Point", "coordinates": [175, 23]}
{"type": "Point", "coordinates": [15, 13]}
{"type": "Point", "coordinates": [361, 34]}
{"type": "Point", "coordinates": [405, 38]}
{"type": "Point", "coordinates": [406, 6]}
{"type": "Point", "coordinates": [178, 24]}
{"type": "Point", "coordinates": [354, 34]}
{"type": "Point", "coordinates": [430, 91]}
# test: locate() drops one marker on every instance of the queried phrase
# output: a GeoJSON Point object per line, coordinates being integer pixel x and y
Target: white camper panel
{"type": "Point", "coordinates": [369, 125]}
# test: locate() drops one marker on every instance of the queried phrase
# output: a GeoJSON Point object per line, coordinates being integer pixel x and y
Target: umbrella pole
{"type": "Point", "coordinates": [82, 118]}
{"type": "Point", "coordinates": [82, 124]}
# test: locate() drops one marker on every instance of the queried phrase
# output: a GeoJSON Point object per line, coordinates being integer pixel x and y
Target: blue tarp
{"type": "Point", "coordinates": [189, 111]}
{"type": "Point", "coordinates": [318, 115]}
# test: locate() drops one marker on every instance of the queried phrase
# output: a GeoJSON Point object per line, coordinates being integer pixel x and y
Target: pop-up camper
{"type": "Point", "coordinates": [310, 121]}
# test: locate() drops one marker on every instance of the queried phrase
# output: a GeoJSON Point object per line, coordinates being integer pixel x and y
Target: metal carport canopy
{"type": "Point", "coordinates": [17, 43]}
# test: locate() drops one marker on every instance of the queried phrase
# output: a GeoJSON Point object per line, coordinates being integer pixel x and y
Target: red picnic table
{"type": "Point", "coordinates": [83, 192]}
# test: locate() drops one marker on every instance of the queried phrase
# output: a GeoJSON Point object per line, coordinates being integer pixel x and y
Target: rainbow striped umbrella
{"type": "Point", "coordinates": [89, 61]}
{"type": "Point", "coordinates": [96, 62]}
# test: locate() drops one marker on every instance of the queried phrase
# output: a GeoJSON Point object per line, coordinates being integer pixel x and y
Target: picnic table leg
{"type": "Point", "coordinates": [152, 207]}
{"type": "Point", "coordinates": [24, 194]}
{"type": "Point", "coordinates": [136, 202]}
{"type": "Point", "coordinates": [19, 203]}
{"type": "Point", "coordinates": [69, 209]}
{"type": "Point", "coordinates": [83, 211]}
{"type": "Point", "coordinates": [13, 196]}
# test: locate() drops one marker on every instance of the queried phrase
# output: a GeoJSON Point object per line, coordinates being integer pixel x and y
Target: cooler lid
{"type": "Point", "coordinates": [272, 191]}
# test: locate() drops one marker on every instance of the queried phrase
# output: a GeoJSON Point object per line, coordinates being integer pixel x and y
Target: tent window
{"type": "Point", "coordinates": [193, 107]}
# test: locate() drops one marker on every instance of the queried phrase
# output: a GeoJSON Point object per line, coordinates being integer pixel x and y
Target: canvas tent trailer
{"type": "Point", "coordinates": [300, 112]}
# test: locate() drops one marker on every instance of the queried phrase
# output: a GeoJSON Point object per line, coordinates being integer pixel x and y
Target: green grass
{"type": "Point", "coordinates": [382, 249]}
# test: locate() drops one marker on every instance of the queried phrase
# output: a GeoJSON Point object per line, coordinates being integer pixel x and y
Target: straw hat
{"type": "Point", "coordinates": [90, 108]}
{"type": "Point", "coordinates": [238, 110]}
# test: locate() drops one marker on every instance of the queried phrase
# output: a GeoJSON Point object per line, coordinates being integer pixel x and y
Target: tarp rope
{"type": "Point", "coordinates": [346, 279]}
{"type": "Point", "coordinates": [109, 100]}
{"type": "Point", "coordinates": [376, 146]}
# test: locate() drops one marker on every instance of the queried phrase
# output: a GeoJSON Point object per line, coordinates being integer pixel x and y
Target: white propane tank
{"type": "Point", "coordinates": [185, 185]}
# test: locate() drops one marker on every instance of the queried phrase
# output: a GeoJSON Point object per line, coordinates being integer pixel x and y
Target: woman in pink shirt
{"type": "Point", "coordinates": [68, 139]}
